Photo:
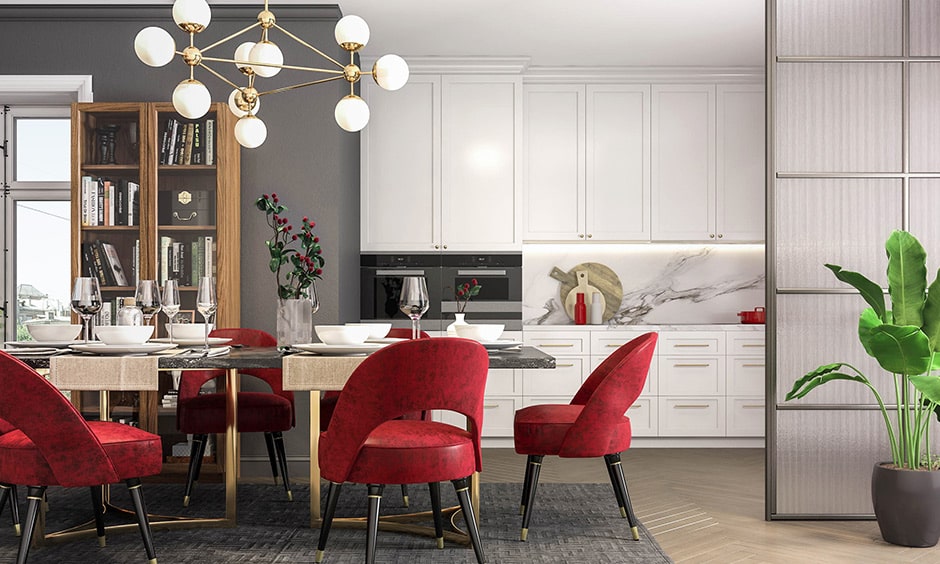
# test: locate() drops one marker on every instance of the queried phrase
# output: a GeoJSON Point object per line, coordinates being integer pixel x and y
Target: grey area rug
{"type": "Point", "coordinates": [572, 523]}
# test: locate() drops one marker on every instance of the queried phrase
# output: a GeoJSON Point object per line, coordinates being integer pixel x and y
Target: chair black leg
{"type": "Point", "coordinates": [622, 485]}
{"type": "Point", "coordinates": [196, 452]}
{"type": "Point", "coordinates": [535, 466]}
{"type": "Point", "coordinates": [404, 495]}
{"type": "Point", "coordinates": [332, 497]}
{"type": "Point", "coordinates": [34, 497]}
{"type": "Point", "coordinates": [143, 520]}
{"type": "Point", "coordinates": [613, 482]}
{"type": "Point", "coordinates": [282, 460]}
{"type": "Point", "coordinates": [435, 488]}
{"type": "Point", "coordinates": [462, 486]}
{"type": "Point", "coordinates": [525, 484]}
{"type": "Point", "coordinates": [97, 502]}
{"type": "Point", "coordinates": [9, 491]}
{"type": "Point", "coordinates": [272, 457]}
{"type": "Point", "coordinates": [372, 523]}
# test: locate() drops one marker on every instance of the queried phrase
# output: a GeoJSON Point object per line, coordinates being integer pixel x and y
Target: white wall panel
{"type": "Point", "coordinates": [838, 27]}
{"type": "Point", "coordinates": [837, 221]}
{"type": "Point", "coordinates": [925, 27]}
{"type": "Point", "coordinates": [925, 207]}
{"type": "Point", "coordinates": [838, 117]}
{"type": "Point", "coordinates": [813, 330]}
{"type": "Point", "coordinates": [925, 117]}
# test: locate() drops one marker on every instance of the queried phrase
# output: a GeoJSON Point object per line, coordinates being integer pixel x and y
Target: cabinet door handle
{"type": "Point", "coordinates": [761, 345]}
{"type": "Point", "coordinates": [635, 406]}
{"type": "Point", "coordinates": [581, 235]}
{"type": "Point", "coordinates": [490, 405]}
{"type": "Point", "coordinates": [590, 235]}
{"type": "Point", "coordinates": [711, 235]}
{"type": "Point", "coordinates": [556, 345]}
{"type": "Point", "coordinates": [720, 235]}
{"type": "Point", "coordinates": [699, 345]}
{"type": "Point", "coordinates": [437, 246]}
{"type": "Point", "coordinates": [566, 365]}
{"type": "Point", "coordinates": [445, 246]}
{"type": "Point", "coordinates": [691, 406]}
{"type": "Point", "coordinates": [692, 365]}
{"type": "Point", "coordinates": [753, 406]}
{"type": "Point", "coordinates": [615, 345]}
{"type": "Point", "coordinates": [753, 365]}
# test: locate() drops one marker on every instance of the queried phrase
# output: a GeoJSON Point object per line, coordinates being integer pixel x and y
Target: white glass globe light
{"type": "Point", "coordinates": [250, 132]}
{"type": "Point", "coordinates": [242, 53]}
{"type": "Point", "coordinates": [154, 46]}
{"type": "Point", "coordinates": [351, 29]}
{"type": "Point", "coordinates": [351, 113]}
{"type": "Point", "coordinates": [265, 52]}
{"type": "Point", "coordinates": [191, 99]}
{"type": "Point", "coordinates": [238, 111]}
{"type": "Point", "coordinates": [390, 72]}
{"type": "Point", "coordinates": [194, 12]}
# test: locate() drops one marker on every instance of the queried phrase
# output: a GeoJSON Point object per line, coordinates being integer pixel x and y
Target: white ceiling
{"type": "Point", "coordinates": [552, 33]}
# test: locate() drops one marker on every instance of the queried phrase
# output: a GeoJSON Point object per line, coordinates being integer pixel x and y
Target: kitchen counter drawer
{"type": "Point", "coordinates": [747, 345]}
{"type": "Point", "coordinates": [746, 417]}
{"type": "Point", "coordinates": [691, 375]}
{"type": "Point", "coordinates": [643, 419]}
{"type": "Point", "coordinates": [746, 376]}
{"type": "Point", "coordinates": [605, 342]}
{"type": "Point", "coordinates": [503, 382]}
{"type": "Point", "coordinates": [691, 343]}
{"type": "Point", "coordinates": [652, 378]}
{"type": "Point", "coordinates": [563, 380]}
{"type": "Point", "coordinates": [557, 343]}
{"type": "Point", "coordinates": [691, 417]}
{"type": "Point", "coordinates": [498, 414]}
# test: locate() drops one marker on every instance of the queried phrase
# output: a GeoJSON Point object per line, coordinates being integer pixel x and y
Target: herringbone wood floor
{"type": "Point", "coordinates": [707, 506]}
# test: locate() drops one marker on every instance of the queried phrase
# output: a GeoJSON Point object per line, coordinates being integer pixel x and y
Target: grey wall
{"type": "Point", "coordinates": [310, 162]}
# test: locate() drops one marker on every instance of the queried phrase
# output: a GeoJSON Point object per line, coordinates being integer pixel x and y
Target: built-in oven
{"type": "Point", "coordinates": [500, 297]}
{"type": "Point", "coordinates": [380, 287]}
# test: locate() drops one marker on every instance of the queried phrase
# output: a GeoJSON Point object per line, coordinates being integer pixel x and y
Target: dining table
{"type": "Point", "coordinates": [302, 371]}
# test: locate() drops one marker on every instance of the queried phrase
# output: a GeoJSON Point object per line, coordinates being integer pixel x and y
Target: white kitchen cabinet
{"type": "Point", "coordinates": [708, 159]}
{"type": "Point", "coordinates": [746, 386]}
{"type": "Point", "coordinates": [587, 162]}
{"type": "Point", "coordinates": [439, 165]}
{"type": "Point", "coordinates": [691, 417]}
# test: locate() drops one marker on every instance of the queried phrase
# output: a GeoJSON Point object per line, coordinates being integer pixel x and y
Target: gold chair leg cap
{"type": "Point", "coordinates": [319, 557]}
{"type": "Point", "coordinates": [623, 513]}
{"type": "Point", "coordinates": [440, 542]}
{"type": "Point", "coordinates": [290, 496]}
{"type": "Point", "coordinates": [18, 530]}
{"type": "Point", "coordinates": [404, 500]}
{"type": "Point", "coordinates": [186, 501]}
{"type": "Point", "coordinates": [636, 533]}
{"type": "Point", "coordinates": [102, 542]}
{"type": "Point", "coordinates": [275, 480]}
{"type": "Point", "coordinates": [152, 561]}
{"type": "Point", "coordinates": [525, 533]}
{"type": "Point", "coordinates": [521, 509]}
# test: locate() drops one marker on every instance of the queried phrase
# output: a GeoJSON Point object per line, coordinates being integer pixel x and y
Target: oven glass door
{"type": "Point", "coordinates": [381, 289]}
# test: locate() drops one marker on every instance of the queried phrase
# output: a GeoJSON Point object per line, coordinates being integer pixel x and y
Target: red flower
{"type": "Point", "coordinates": [473, 282]}
{"type": "Point", "coordinates": [459, 293]}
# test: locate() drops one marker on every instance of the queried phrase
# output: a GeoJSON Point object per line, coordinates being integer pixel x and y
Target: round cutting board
{"type": "Point", "coordinates": [600, 276]}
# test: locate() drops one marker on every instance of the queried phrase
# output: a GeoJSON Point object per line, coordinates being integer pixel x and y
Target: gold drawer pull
{"type": "Point", "coordinates": [692, 365]}
{"type": "Point", "coordinates": [490, 405]}
{"type": "Point", "coordinates": [565, 365]}
{"type": "Point", "coordinates": [615, 346]}
{"type": "Point", "coordinates": [691, 406]}
{"type": "Point", "coordinates": [753, 345]}
{"type": "Point", "coordinates": [753, 365]}
{"type": "Point", "coordinates": [677, 345]}
{"type": "Point", "coordinates": [556, 345]}
{"type": "Point", "coordinates": [636, 406]}
{"type": "Point", "coordinates": [753, 406]}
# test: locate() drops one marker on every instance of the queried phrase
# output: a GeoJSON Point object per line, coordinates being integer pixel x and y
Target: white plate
{"type": "Point", "coordinates": [322, 348]}
{"type": "Point", "coordinates": [36, 351]}
{"type": "Point", "coordinates": [192, 342]}
{"type": "Point", "coordinates": [501, 344]}
{"type": "Point", "coordinates": [42, 344]}
{"type": "Point", "coordinates": [101, 348]}
{"type": "Point", "coordinates": [385, 340]}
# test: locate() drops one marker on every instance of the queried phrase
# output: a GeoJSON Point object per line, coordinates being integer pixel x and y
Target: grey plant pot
{"type": "Point", "coordinates": [907, 505]}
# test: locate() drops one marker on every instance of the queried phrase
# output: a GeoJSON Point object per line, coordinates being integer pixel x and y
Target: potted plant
{"type": "Point", "coordinates": [904, 340]}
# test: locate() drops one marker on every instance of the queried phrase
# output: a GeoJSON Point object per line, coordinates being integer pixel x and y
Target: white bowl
{"type": "Point", "coordinates": [124, 334]}
{"type": "Point", "coordinates": [49, 332]}
{"type": "Point", "coordinates": [343, 334]}
{"type": "Point", "coordinates": [376, 330]}
{"type": "Point", "coordinates": [190, 331]}
{"type": "Point", "coordinates": [483, 332]}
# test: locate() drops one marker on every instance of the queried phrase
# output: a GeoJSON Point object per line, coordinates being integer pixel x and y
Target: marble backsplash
{"type": "Point", "coordinates": [662, 283]}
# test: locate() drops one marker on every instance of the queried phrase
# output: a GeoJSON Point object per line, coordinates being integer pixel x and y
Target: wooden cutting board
{"type": "Point", "coordinates": [599, 276]}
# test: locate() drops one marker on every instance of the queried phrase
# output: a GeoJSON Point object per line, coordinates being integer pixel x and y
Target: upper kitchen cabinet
{"type": "Point", "coordinates": [587, 162]}
{"type": "Point", "coordinates": [708, 162]}
{"type": "Point", "coordinates": [439, 165]}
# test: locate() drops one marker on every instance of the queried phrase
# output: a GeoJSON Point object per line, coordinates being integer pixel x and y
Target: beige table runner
{"type": "Point", "coordinates": [104, 372]}
{"type": "Point", "coordinates": [316, 372]}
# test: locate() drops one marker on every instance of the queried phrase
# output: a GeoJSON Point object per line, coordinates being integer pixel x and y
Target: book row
{"type": "Point", "coordinates": [188, 143]}
{"type": "Point", "coordinates": [110, 202]}
{"type": "Point", "coordinates": [186, 260]}
{"type": "Point", "coordinates": [101, 260]}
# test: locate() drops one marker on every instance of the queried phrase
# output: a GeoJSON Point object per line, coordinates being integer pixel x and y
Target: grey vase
{"type": "Point", "coordinates": [907, 505]}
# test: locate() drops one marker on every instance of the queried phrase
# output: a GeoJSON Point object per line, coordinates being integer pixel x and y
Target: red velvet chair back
{"type": "Point", "coordinates": [5, 427]}
{"type": "Point", "coordinates": [606, 395]}
{"type": "Point", "coordinates": [405, 377]}
{"type": "Point", "coordinates": [29, 403]}
{"type": "Point", "coordinates": [404, 333]}
{"type": "Point", "coordinates": [193, 380]}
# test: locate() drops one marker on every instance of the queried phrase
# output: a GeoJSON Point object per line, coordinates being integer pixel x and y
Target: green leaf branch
{"type": "Point", "coordinates": [295, 268]}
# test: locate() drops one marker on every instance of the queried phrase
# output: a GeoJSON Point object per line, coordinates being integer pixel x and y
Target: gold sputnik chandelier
{"type": "Point", "coordinates": [156, 47]}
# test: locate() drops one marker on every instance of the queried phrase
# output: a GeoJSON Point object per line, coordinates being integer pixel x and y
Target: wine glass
{"type": "Point", "coordinates": [86, 299]}
{"type": "Point", "coordinates": [206, 304]}
{"type": "Point", "coordinates": [147, 299]}
{"type": "Point", "coordinates": [171, 304]}
{"type": "Point", "coordinates": [414, 301]}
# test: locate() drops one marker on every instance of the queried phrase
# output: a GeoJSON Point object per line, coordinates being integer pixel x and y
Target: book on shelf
{"type": "Point", "coordinates": [197, 143]}
{"type": "Point", "coordinates": [132, 201]}
{"type": "Point", "coordinates": [188, 144]}
{"type": "Point", "coordinates": [173, 127]}
{"type": "Point", "coordinates": [165, 141]}
{"type": "Point", "coordinates": [86, 199]}
{"type": "Point", "coordinates": [99, 260]}
{"type": "Point", "coordinates": [114, 261]}
{"type": "Point", "coordinates": [105, 315]}
{"type": "Point", "coordinates": [135, 273]}
{"type": "Point", "coordinates": [180, 143]}
{"type": "Point", "coordinates": [166, 243]}
{"type": "Point", "coordinates": [209, 141]}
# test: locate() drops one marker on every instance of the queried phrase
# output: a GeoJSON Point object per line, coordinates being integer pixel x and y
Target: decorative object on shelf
{"type": "Point", "coordinates": [295, 320]}
{"type": "Point", "coordinates": [465, 293]}
{"type": "Point", "coordinates": [105, 140]}
{"type": "Point", "coordinates": [758, 315]}
{"type": "Point", "coordinates": [459, 320]}
{"type": "Point", "coordinates": [156, 47]}
{"type": "Point", "coordinates": [905, 341]}
{"type": "Point", "coordinates": [597, 308]}
{"type": "Point", "coordinates": [580, 309]}
{"type": "Point", "coordinates": [602, 279]}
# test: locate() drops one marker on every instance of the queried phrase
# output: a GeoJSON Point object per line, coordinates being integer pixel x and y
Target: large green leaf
{"type": "Point", "coordinates": [901, 349]}
{"type": "Point", "coordinates": [907, 278]}
{"type": "Point", "coordinates": [871, 292]}
{"type": "Point", "coordinates": [820, 376]}
{"type": "Point", "coordinates": [866, 323]}
{"type": "Point", "coordinates": [931, 324]}
{"type": "Point", "coordinates": [928, 385]}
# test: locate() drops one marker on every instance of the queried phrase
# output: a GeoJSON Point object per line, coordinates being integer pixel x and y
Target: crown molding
{"type": "Point", "coordinates": [659, 75]}
{"type": "Point", "coordinates": [28, 88]}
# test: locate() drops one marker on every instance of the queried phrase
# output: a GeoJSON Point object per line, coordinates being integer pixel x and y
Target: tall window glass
{"type": "Point", "coordinates": [414, 301]}
{"type": "Point", "coordinates": [86, 299]}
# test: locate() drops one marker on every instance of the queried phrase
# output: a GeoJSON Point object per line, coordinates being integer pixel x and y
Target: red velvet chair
{"type": "Point", "coordinates": [270, 413]}
{"type": "Point", "coordinates": [54, 446]}
{"type": "Point", "coordinates": [368, 442]}
{"type": "Point", "coordinates": [328, 400]}
{"type": "Point", "coordinates": [9, 490]}
{"type": "Point", "coordinates": [592, 425]}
